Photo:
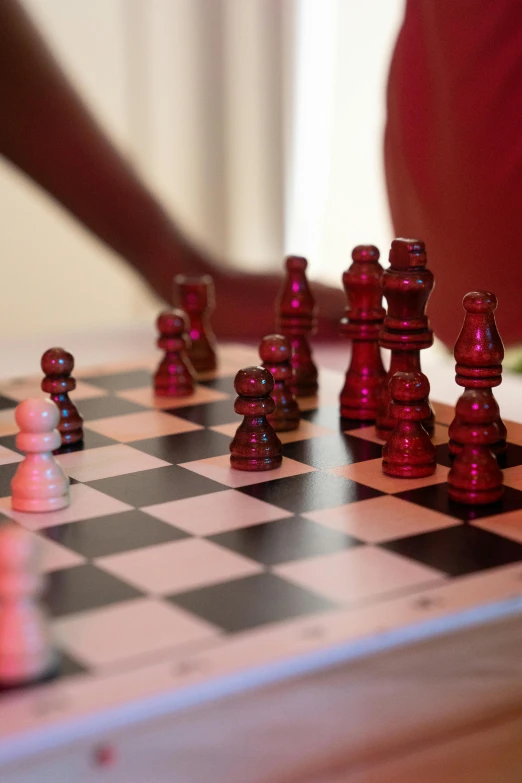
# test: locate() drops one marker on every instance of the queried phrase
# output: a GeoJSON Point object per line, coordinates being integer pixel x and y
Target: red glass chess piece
{"type": "Point", "coordinates": [255, 445]}
{"type": "Point", "coordinates": [275, 352]}
{"type": "Point", "coordinates": [296, 319]}
{"type": "Point", "coordinates": [475, 477]}
{"type": "Point", "coordinates": [407, 286]}
{"type": "Point", "coordinates": [478, 354]}
{"type": "Point", "coordinates": [58, 364]}
{"type": "Point", "coordinates": [409, 452]}
{"type": "Point", "coordinates": [196, 297]}
{"type": "Point", "coordinates": [174, 376]}
{"type": "Point", "coordinates": [362, 323]}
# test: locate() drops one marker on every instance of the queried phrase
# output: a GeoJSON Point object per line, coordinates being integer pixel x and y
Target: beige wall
{"type": "Point", "coordinates": [54, 274]}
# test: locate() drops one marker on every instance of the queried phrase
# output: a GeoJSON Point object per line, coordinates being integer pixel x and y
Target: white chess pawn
{"type": "Point", "coordinates": [26, 652]}
{"type": "Point", "coordinates": [39, 483]}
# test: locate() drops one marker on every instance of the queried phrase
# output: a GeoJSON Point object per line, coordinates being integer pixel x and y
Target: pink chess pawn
{"type": "Point", "coordinates": [39, 483]}
{"type": "Point", "coordinates": [26, 650]}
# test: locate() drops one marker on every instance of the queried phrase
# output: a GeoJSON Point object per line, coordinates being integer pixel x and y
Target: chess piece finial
{"type": "Point", "coordinates": [407, 285]}
{"type": "Point", "coordinates": [255, 445]}
{"type": "Point", "coordinates": [26, 652]}
{"type": "Point", "coordinates": [196, 297]}
{"type": "Point", "coordinates": [479, 353]}
{"type": "Point", "coordinates": [174, 376]}
{"type": "Point", "coordinates": [39, 483]}
{"type": "Point", "coordinates": [296, 319]}
{"type": "Point", "coordinates": [275, 352]}
{"type": "Point", "coordinates": [361, 324]}
{"type": "Point", "coordinates": [475, 477]}
{"type": "Point", "coordinates": [57, 364]}
{"type": "Point", "coordinates": [409, 452]}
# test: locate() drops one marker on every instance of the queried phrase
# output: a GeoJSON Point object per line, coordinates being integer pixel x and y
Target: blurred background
{"type": "Point", "coordinates": [257, 122]}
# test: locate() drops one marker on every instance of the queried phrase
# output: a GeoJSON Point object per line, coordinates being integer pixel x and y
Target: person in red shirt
{"type": "Point", "coordinates": [453, 152]}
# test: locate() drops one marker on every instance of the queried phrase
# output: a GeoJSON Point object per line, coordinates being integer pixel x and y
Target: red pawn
{"type": "Point", "coordinates": [296, 318]}
{"type": "Point", "coordinates": [409, 452]}
{"type": "Point", "coordinates": [475, 477]}
{"type": "Point", "coordinates": [407, 285]}
{"type": "Point", "coordinates": [362, 323]}
{"type": "Point", "coordinates": [478, 354]}
{"type": "Point", "coordinates": [255, 445]}
{"type": "Point", "coordinates": [58, 364]}
{"type": "Point", "coordinates": [275, 352]}
{"type": "Point", "coordinates": [174, 376]}
{"type": "Point", "coordinates": [196, 297]}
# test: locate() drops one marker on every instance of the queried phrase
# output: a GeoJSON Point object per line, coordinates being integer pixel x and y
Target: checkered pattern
{"type": "Point", "coordinates": [164, 546]}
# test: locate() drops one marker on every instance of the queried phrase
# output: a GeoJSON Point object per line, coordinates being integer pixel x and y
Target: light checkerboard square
{"type": "Point", "coordinates": [206, 515]}
{"type": "Point", "coordinates": [121, 632]}
{"type": "Point", "coordinates": [506, 525]}
{"type": "Point", "coordinates": [381, 519]}
{"type": "Point", "coordinates": [23, 390]}
{"type": "Point", "coordinates": [357, 574]}
{"type": "Point", "coordinates": [371, 474]}
{"type": "Point", "coordinates": [513, 477]}
{"type": "Point", "coordinates": [138, 426]}
{"type": "Point", "coordinates": [107, 461]}
{"type": "Point", "coordinates": [145, 396]}
{"type": "Point", "coordinates": [86, 503]}
{"type": "Point", "coordinates": [218, 469]}
{"type": "Point", "coordinates": [177, 566]}
{"type": "Point", "coordinates": [305, 431]}
{"type": "Point", "coordinates": [366, 433]}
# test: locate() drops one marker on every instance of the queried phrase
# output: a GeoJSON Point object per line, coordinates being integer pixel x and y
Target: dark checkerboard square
{"type": "Point", "coordinates": [6, 403]}
{"type": "Point", "coordinates": [186, 446]}
{"type": "Point", "coordinates": [442, 455]}
{"type": "Point", "coordinates": [224, 384]}
{"type": "Point", "coordinates": [332, 451]}
{"type": "Point", "coordinates": [436, 497]}
{"type": "Point", "coordinates": [6, 474]}
{"type": "Point", "coordinates": [284, 540]}
{"type": "Point", "coordinates": [158, 485]}
{"type": "Point", "coordinates": [510, 459]}
{"type": "Point", "coordinates": [458, 550]}
{"type": "Point", "coordinates": [512, 456]}
{"type": "Point", "coordinates": [310, 492]}
{"type": "Point", "coordinates": [83, 587]}
{"type": "Point", "coordinates": [120, 381]}
{"type": "Point", "coordinates": [103, 407]}
{"type": "Point", "coordinates": [114, 533]}
{"type": "Point", "coordinates": [250, 602]}
{"type": "Point", "coordinates": [68, 666]}
{"type": "Point", "coordinates": [326, 416]}
{"type": "Point", "coordinates": [91, 440]}
{"type": "Point", "coordinates": [209, 415]}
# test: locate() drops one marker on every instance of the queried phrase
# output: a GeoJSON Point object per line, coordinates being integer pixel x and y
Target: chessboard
{"type": "Point", "coordinates": [173, 580]}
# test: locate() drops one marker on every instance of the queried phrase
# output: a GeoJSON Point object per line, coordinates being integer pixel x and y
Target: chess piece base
{"type": "Point", "coordinates": [255, 463]}
{"type": "Point", "coordinates": [37, 505]}
{"type": "Point", "coordinates": [475, 497]}
{"type": "Point", "coordinates": [15, 672]}
{"type": "Point", "coordinates": [408, 471]}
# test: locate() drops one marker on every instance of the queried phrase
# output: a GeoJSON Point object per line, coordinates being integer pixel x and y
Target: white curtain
{"type": "Point", "coordinates": [257, 122]}
{"type": "Point", "coordinates": [261, 122]}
